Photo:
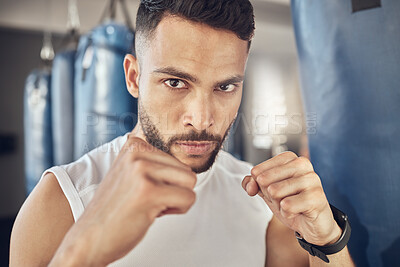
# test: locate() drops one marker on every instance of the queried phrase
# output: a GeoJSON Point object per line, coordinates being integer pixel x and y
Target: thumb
{"type": "Point", "coordinates": [250, 185]}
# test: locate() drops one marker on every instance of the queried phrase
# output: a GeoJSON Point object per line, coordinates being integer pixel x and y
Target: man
{"type": "Point", "coordinates": [140, 203]}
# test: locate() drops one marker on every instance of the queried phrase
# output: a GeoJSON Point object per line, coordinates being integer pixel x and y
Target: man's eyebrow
{"type": "Point", "coordinates": [232, 80]}
{"type": "Point", "coordinates": [177, 73]}
{"type": "Point", "coordinates": [186, 76]}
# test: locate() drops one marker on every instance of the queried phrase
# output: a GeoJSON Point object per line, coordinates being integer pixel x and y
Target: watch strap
{"type": "Point", "coordinates": [322, 251]}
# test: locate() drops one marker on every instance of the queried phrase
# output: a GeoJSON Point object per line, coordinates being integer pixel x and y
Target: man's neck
{"type": "Point", "coordinates": [138, 132]}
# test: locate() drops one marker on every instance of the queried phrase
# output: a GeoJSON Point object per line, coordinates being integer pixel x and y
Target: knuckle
{"type": "Point", "coordinates": [186, 167]}
{"type": "Point", "coordinates": [193, 179]}
{"type": "Point", "coordinates": [263, 178]}
{"type": "Point", "coordinates": [255, 171]}
{"type": "Point", "coordinates": [189, 200]}
{"type": "Point", "coordinates": [260, 179]}
{"type": "Point", "coordinates": [288, 155]}
{"type": "Point", "coordinates": [303, 162]}
{"type": "Point", "coordinates": [315, 179]}
{"type": "Point", "coordinates": [320, 192]}
{"type": "Point", "coordinates": [141, 166]}
{"type": "Point", "coordinates": [286, 205]}
{"type": "Point", "coordinates": [273, 191]}
{"type": "Point", "coordinates": [133, 156]}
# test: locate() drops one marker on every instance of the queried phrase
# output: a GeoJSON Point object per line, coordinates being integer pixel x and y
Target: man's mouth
{"type": "Point", "coordinates": [196, 147]}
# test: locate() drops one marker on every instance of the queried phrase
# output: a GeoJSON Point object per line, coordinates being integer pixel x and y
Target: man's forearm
{"type": "Point", "coordinates": [78, 249]}
{"type": "Point", "coordinates": [342, 258]}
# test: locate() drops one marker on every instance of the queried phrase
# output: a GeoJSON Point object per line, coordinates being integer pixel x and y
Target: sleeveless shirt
{"type": "Point", "coordinates": [224, 227]}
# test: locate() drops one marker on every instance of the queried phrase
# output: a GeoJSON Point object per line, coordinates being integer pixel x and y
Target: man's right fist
{"type": "Point", "coordinates": [156, 182]}
{"type": "Point", "coordinates": [143, 183]}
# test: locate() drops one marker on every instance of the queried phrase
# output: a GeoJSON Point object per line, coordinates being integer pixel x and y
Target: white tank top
{"type": "Point", "coordinates": [225, 227]}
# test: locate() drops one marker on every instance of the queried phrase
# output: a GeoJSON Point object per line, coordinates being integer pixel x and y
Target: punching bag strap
{"type": "Point", "coordinates": [73, 23]}
{"type": "Point", "coordinates": [128, 20]}
{"type": "Point", "coordinates": [71, 39]}
{"type": "Point", "coordinates": [110, 12]}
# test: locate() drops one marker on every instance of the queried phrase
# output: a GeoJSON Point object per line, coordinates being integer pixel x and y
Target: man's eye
{"type": "Point", "coordinates": [175, 83]}
{"type": "Point", "coordinates": [227, 87]}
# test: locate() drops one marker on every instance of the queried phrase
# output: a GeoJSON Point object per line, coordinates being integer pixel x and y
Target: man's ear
{"type": "Point", "coordinates": [131, 67]}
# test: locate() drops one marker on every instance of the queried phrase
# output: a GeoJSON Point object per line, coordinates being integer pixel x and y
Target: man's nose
{"type": "Point", "coordinates": [199, 113]}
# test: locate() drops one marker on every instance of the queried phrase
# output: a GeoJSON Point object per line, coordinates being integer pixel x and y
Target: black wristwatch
{"type": "Point", "coordinates": [322, 251]}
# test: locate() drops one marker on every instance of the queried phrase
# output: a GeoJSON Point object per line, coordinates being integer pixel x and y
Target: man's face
{"type": "Point", "coordinates": [190, 88]}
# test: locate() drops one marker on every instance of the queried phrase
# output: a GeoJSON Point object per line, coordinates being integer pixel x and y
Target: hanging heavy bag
{"type": "Point", "coordinates": [62, 98]}
{"type": "Point", "coordinates": [62, 90]}
{"type": "Point", "coordinates": [103, 107]}
{"type": "Point", "coordinates": [349, 60]}
{"type": "Point", "coordinates": [37, 126]}
{"type": "Point", "coordinates": [38, 143]}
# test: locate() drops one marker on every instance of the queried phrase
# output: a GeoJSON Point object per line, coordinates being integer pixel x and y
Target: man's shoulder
{"type": "Point", "coordinates": [41, 224]}
{"type": "Point", "coordinates": [79, 179]}
{"type": "Point", "coordinates": [94, 165]}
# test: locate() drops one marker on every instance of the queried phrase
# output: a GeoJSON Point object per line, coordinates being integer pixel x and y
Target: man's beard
{"type": "Point", "coordinates": [153, 137]}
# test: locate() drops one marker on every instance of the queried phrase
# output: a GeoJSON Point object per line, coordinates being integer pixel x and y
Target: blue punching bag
{"type": "Point", "coordinates": [350, 72]}
{"type": "Point", "coordinates": [62, 98]}
{"type": "Point", "coordinates": [37, 126]}
{"type": "Point", "coordinates": [103, 107]}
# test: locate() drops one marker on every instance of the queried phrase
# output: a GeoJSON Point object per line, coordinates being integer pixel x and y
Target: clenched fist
{"type": "Point", "coordinates": [142, 184]}
{"type": "Point", "coordinates": [293, 192]}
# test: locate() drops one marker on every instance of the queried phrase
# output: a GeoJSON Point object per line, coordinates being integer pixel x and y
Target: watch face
{"type": "Point", "coordinates": [339, 217]}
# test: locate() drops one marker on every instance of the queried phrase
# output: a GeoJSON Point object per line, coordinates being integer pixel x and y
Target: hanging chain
{"type": "Point", "coordinates": [73, 22]}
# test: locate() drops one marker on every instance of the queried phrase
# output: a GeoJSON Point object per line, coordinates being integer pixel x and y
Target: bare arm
{"type": "Point", "coordinates": [283, 250]}
{"type": "Point", "coordinates": [142, 184]}
{"type": "Point", "coordinates": [342, 258]}
{"type": "Point", "coordinates": [282, 247]}
{"type": "Point", "coordinates": [294, 193]}
{"type": "Point", "coordinates": [41, 224]}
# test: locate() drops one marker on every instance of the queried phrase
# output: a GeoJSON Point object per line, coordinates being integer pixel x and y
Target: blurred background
{"type": "Point", "coordinates": [271, 118]}
{"type": "Point", "coordinates": [322, 80]}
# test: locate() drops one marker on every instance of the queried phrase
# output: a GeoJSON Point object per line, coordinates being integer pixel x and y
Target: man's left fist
{"type": "Point", "coordinates": [294, 193]}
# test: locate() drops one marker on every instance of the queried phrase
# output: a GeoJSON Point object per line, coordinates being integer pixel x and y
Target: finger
{"type": "Point", "coordinates": [168, 211]}
{"type": "Point", "coordinates": [132, 142]}
{"type": "Point", "coordinates": [296, 167]}
{"type": "Point", "coordinates": [129, 146]}
{"type": "Point", "coordinates": [175, 199]}
{"type": "Point", "coordinates": [292, 186]}
{"type": "Point", "coordinates": [278, 160]}
{"type": "Point", "coordinates": [139, 149]}
{"type": "Point", "coordinates": [245, 180]}
{"type": "Point", "coordinates": [308, 202]}
{"type": "Point", "coordinates": [250, 185]}
{"type": "Point", "coordinates": [170, 174]}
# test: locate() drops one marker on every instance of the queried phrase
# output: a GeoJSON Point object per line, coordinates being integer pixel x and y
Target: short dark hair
{"type": "Point", "coordinates": [233, 15]}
